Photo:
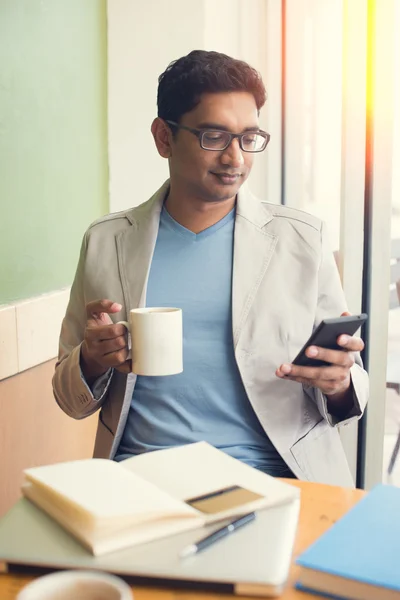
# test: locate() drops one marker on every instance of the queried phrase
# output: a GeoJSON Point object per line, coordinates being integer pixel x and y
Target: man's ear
{"type": "Point", "coordinates": [162, 136]}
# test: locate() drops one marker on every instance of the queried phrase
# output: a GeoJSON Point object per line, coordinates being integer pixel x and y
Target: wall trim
{"type": "Point", "coordinates": [29, 331]}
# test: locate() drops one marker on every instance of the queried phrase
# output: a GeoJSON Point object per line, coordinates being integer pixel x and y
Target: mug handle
{"type": "Point", "coordinates": [126, 325]}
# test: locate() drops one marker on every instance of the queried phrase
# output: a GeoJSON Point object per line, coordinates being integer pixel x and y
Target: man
{"type": "Point", "coordinates": [253, 280]}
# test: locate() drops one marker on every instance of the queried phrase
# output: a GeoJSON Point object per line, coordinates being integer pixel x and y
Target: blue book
{"type": "Point", "coordinates": [358, 558]}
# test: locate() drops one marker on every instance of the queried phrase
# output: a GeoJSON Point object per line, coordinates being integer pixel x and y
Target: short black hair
{"type": "Point", "coordinates": [200, 72]}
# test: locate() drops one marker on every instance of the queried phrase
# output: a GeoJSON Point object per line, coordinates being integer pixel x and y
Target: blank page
{"type": "Point", "coordinates": [105, 490]}
{"type": "Point", "coordinates": [199, 468]}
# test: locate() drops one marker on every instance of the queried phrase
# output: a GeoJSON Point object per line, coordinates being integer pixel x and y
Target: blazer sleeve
{"type": "Point", "coordinates": [331, 303]}
{"type": "Point", "coordinates": [70, 389]}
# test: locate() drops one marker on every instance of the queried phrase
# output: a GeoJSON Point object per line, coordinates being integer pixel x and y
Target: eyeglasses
{"type": "Point", "coordinates": [213, 139]}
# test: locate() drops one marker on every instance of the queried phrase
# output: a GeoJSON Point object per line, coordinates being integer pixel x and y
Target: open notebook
{"type": "Point", "coordinates": [108, 506]}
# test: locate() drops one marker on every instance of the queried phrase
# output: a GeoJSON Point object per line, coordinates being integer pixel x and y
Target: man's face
{"type": "Point", "coordinates": [213, 176]}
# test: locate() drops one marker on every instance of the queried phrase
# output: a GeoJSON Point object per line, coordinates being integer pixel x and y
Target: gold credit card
{"type": "Point", "coordinates": [223, 499]}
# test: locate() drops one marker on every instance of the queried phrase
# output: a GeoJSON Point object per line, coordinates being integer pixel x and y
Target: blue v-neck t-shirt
{"type": "Point", "coordinates": [208, 400]}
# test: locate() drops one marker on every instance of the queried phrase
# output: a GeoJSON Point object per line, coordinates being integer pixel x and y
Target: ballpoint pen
{"type": "Point", "coordinates": [217, 535]}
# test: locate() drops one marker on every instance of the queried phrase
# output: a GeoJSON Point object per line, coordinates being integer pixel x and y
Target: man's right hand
{"type": "Point", "coordinates": [105, 343]}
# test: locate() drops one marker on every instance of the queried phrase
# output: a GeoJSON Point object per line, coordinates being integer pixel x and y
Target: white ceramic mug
{"type": "Point", "coordinates": [76, 585]}
{"type": "Point", "coordinates": [157, 341]}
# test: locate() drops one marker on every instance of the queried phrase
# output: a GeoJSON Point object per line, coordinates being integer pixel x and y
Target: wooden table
{"type": "Point", "coordinates": [321, 505]}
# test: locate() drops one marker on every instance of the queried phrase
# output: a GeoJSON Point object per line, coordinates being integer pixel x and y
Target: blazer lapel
{"type": "Point", "coordinates": [135, 248]}
{"type": "Point", "coordinates": [253, 250]}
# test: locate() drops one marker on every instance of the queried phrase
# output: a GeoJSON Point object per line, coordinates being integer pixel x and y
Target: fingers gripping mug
{"type": "Point", "coordinates": [157, 340]}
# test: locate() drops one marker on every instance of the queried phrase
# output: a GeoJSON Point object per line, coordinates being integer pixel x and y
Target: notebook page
{"type": "Point", "coordinates": [99, 541]}
{"type": "Point", "coordinates": [105, 490]}
{"type": "Point", "coordinates": [196, 469]}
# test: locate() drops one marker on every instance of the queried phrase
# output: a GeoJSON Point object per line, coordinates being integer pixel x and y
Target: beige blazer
{"type": "Point", "coordinates": [285, 281]}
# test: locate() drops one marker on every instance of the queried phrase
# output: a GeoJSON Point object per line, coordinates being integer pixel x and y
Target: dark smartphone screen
{"type": "Point", "coordinates": [325, 336]}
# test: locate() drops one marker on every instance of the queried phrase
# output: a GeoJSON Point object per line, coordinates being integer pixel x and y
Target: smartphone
{"type": "Point", "coordinates": [325, 336]}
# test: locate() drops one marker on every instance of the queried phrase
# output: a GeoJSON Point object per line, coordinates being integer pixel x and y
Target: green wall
{"type": "Point", "coordinates": [53, 139]}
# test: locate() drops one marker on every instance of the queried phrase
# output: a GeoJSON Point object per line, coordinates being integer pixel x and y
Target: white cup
{"type": "Point", "coordinates": [76, 585]}
{"type": "Point", "coordinates": [157, 344]}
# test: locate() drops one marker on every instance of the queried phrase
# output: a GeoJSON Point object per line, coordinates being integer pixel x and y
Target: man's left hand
{"type": "Point", "coordinates": [334, 380]}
